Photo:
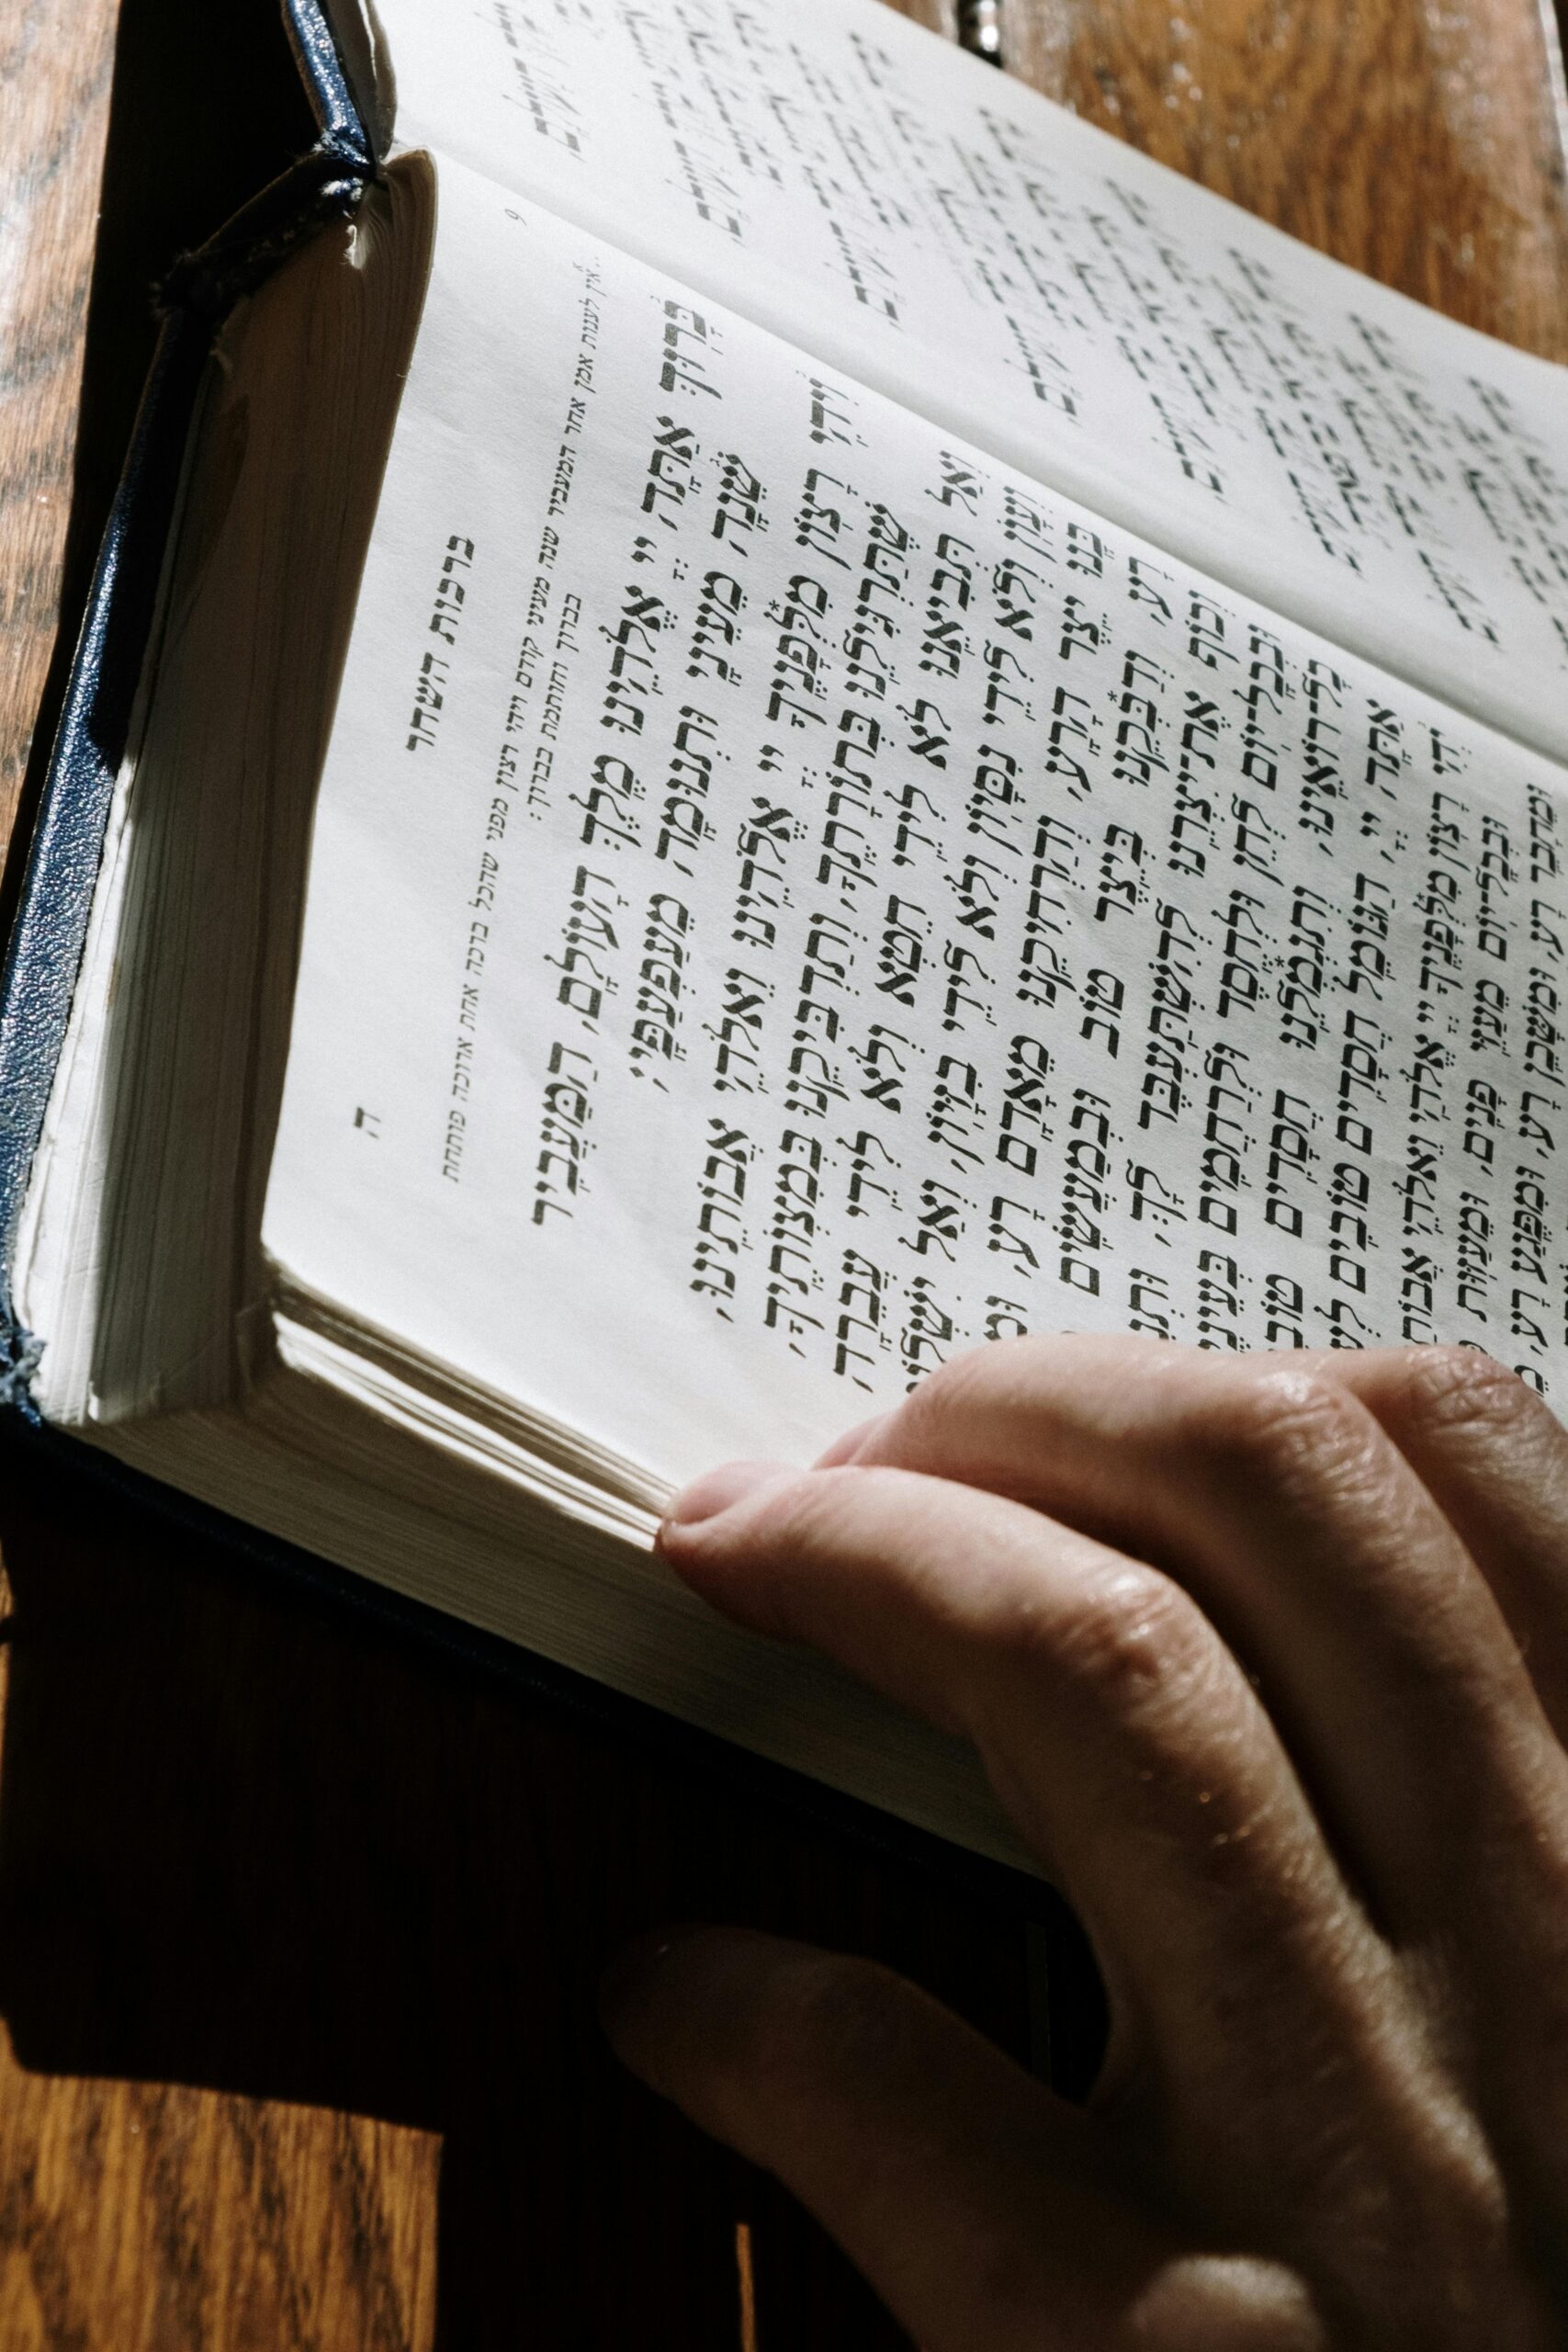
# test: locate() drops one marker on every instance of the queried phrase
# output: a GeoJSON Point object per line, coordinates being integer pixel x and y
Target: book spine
{"type": "Point", "coordinates": [60, 873]}
{"type": "Point", "coordinates": [322, 69]}
{"type": "Point", "coordinates": [56, 897]}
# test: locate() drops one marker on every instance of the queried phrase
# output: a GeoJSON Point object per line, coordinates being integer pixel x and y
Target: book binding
{"type": "Point", "coordinates": [45, 950]}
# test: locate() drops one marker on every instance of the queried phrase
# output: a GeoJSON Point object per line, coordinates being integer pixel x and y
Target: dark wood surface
{"type": "Point", "coordinates": [300, 1926]}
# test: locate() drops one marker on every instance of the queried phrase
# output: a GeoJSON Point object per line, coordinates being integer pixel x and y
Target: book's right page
{"type": "Point", "coordinates": [720, 1003]}
{"type": "Point", "coordinates": [1389, 478]}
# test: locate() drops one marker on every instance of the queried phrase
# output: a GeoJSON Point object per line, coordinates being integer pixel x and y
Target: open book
{"type": "Point", "coordinates": [798, 714]}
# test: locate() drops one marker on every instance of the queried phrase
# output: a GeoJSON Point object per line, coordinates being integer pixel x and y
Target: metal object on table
{"type": "Point", "coordinates": [980, 29]}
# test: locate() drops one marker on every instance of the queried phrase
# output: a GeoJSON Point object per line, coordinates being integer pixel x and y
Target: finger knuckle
{"type": "Point", "coordinates": [1281, 1427]}
{"type": "Point", "coordinates": [1134, 1642]}
{"type": "Point", "coordinates": [1450, 1389]}
{"type": "Point", "coordinates": [1424, 2258]}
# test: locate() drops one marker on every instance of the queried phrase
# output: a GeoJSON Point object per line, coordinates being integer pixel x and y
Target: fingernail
{"type": "Point", "coordinates": [707, 1496]}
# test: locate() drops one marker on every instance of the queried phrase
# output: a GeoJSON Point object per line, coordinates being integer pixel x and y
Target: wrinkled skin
{"type": "Point", "coordinates": [1268, 1658]}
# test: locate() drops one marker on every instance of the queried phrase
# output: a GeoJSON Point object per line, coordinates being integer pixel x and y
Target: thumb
{"type": "Point", "coordinates": [984, 2210]}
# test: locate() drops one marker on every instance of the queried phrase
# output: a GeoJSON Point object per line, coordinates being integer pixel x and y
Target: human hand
{"type": "Point", "coordinates": [1268, 1658]}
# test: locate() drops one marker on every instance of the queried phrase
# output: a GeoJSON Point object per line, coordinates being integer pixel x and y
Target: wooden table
{"type": "Point", "coordinates": [299, 1930]}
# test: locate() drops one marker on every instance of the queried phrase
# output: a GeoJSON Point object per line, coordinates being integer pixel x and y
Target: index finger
{"type": "Point", "coordinates": [1117, 1729]}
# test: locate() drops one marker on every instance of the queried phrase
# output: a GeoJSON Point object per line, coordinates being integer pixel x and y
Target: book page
{"type": "Point", "coordinates": [791, 899]}
{"type": "Point", "coordinates": [941, 233]}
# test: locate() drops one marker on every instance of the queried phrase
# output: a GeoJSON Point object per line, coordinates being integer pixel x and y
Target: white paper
{"type": "Point", "coordinates": [789, 900]}
{"type": "Point", "coordinates": [913, 219]}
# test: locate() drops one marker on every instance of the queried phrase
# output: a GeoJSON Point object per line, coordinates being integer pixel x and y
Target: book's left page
{"type": "Point", "coordinates": [128, 1250]}
{"type": "Point", "coordinates": [789, 900]}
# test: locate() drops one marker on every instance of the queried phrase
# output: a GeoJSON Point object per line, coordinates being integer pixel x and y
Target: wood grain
{"type": "Point", "coordinates": [298, 1926]}
{"type": "Point", "coordinates": [1416, 139]}
{"type": "Point", "coordinates": [150, 2216]}
{"type": "Point", "coordinates": [54, 71]}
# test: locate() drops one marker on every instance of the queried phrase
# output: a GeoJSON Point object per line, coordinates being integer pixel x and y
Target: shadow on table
{"type": "Point", "coordinates": [249, 1843]}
